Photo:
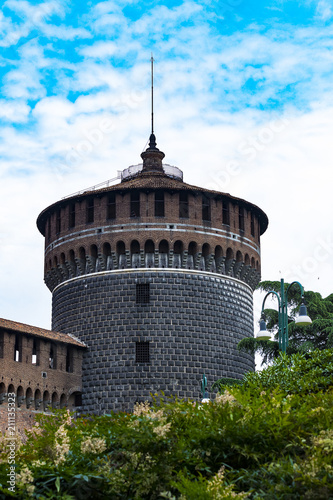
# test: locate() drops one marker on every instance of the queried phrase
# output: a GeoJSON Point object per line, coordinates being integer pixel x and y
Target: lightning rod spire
{"type": "Point", "coordinates": [152, 93]}
{"type": "Point", "coordinates": [152, 157]}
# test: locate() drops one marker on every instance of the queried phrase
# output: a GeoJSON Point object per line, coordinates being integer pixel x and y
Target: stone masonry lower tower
{"type": "Point", "coordinates": [156, 276]}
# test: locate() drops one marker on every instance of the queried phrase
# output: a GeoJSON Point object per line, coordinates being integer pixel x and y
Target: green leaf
{"type": "Point", "coordinates": [57, 484]}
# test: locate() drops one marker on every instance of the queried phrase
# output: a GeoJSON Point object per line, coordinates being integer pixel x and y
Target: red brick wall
{"type": "Point", "coordinates": [24, 420]}
{"type": "Point", "coordinates": [147, 226]}
{"type": "Point", "coordinates": [30, 382]}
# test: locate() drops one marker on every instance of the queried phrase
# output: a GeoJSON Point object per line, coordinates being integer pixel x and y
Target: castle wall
{"type": "Point", "coordinates": [37, 373]}
{"type": "Point", "coordinates": [154, 330]}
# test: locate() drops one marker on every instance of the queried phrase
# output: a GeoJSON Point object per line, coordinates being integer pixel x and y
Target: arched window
{"type": "Point", "coordinates": [38, 399]}
{"type": "Point", "coordinates": [75, 400]}
{"type": "Point", "coordinates": [120, 248]}
{"type": "Point", "coordinates": [55, 400]}
{"type": "Point", "coordinates": [163, 247]}
{"type": "Point", "coordinates": [192, 248]}
{"type": "Point", "coordinates": [135, 247]}
{"type": "Point", "coordinates": [163, 250]}
{"type": "Point", "coordinates": [177, 250]}
{"type": "Point", "coordinates": [149, 253]}
{"type": "Point", "coordinates": [82, 253]}
{"type": "Point", "coordinates": [230, 254]}
{"type": "Point", "coordinates": [253, 263]}
{"type": "Point", "coordinates": [149, 246]}
{"type": "Point", "coordinates": [107, 256]}
{"type": "Point", "coordinates": [106, 249]}
{"type": "Point", "coordinates": [93, 251]}
{"type": "Point", "coordinates": [121, 254]}
{"type": "Point", "coordinates": [20, 395]}
{"type": "Point", "coordinates": [63, 401]}
{"type": "Point", "coordinates": [192, 251]}
{"type": "Point", "coordinates": [178, 247]}
{"type": "Point", "coordinates": [247, 259]}
{"type": "Point", "coordinates": [46, 400]}
{"type": "Point", "coordinates": [135, 253]}
{"type": "Point", "coordinates": [218, 252]}
{"type": "Point", "coordinates": [239, 256]}
{"type": "Point", "coordinates": [206, 250]}
{"type": "Point", "coordinates": [28, 397]}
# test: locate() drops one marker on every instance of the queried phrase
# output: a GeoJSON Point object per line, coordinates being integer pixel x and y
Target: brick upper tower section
{"type": "Point", "coordinates": [152, 219]}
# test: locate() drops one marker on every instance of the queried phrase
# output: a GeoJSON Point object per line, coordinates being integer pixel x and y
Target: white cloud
{"type": "Point", "coordinates": [36, 20]}
{"type": "Point", "coordinates": [14, 111]}
{"type": "Point", "coordinates": [170, 20]}
{"type": "Point", "coordinates": [64, 32]}
{"type": "Point", "coordinates": [324, 10]}
{"type": "Point", "coordinates": [20, 84]}
{"type": "Point", "coordinates": [101, 50]}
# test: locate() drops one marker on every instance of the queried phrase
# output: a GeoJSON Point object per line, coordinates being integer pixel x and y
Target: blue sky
{"type": "Point", "coordinates": [243, 104]}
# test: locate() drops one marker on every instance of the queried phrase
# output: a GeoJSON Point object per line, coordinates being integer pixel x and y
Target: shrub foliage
{"type": "Point", "coordinates": [270, 437]}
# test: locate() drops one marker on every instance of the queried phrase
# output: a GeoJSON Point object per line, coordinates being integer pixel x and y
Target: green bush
{"type": "Point", "coordinates": [268, 438]}
{"type": "Point", "coordinates": [225, 382]}
{"type": "Point", "coordinates": [295, 374]}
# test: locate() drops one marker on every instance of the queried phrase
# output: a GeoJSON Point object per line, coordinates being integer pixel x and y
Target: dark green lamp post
{"type": "Point", "coordinates": [204, 392]}
{"type": "Point", "coordinates": [302, 320]}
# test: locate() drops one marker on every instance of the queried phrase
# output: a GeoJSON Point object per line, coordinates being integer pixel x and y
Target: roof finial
{"type": "Point", "coordinates": [152, 157]}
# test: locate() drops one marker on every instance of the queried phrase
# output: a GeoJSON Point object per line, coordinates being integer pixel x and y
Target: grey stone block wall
{"type": "Point", "coordinates": [193, 324]}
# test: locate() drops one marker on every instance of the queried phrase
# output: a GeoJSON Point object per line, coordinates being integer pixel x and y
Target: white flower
{"type": "Point", "coordinates": [224, 398]}
{"type": "Point", "coordinates": [25, 479]}
{"type": "Point", "coordinates": [61, 444]}
{"type": "Point", "coordinates": [162, 430]}
{"type": "Point", "coordinates": [93, 445]}
{"type": "Point", "coordinates": [25, 476]}
{"type": "Point", "coordinates": [141, 409]}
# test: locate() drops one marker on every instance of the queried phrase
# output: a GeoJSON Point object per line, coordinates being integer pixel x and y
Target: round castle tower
{"type": "Point", "coordinates": [156, 276]}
